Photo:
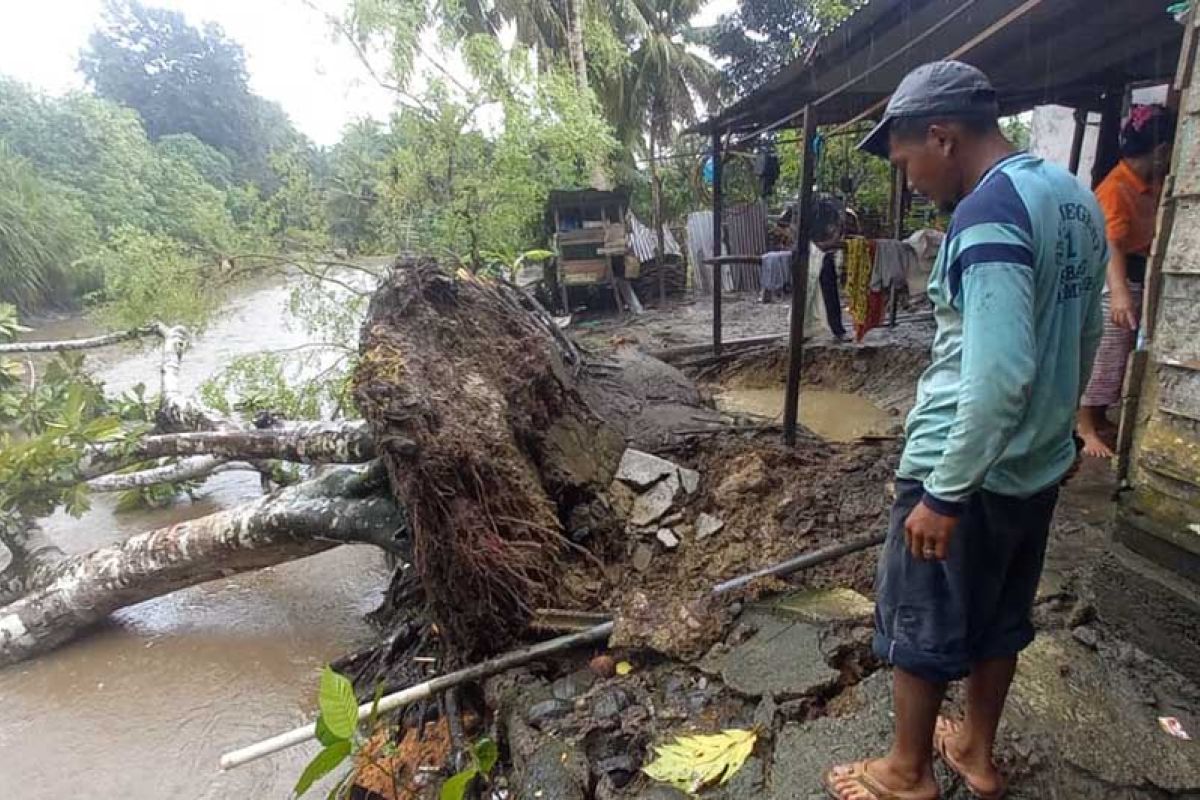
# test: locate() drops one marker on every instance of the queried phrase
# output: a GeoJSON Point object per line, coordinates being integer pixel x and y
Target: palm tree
{"type": "Point", "coordinates": [554, 27]}
{"type": "Point", "coordinates": [660, 87]}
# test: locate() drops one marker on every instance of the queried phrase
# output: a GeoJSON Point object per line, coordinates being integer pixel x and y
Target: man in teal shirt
{"type": "Point", "coordinates": [1016, 297]}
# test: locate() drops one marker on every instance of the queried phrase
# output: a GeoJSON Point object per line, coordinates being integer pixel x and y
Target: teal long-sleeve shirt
{"type": "Point", "coordinates": [1016, 297]}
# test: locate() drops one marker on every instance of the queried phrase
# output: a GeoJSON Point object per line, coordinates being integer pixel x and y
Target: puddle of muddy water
{"type": "Point", "coordinates": [143, 707]}
{"type": "Point", "coordinates": [836, 416]}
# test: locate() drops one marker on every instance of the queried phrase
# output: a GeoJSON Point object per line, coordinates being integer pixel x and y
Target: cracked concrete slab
{"type": "Point", "coordinates": [782, 659]}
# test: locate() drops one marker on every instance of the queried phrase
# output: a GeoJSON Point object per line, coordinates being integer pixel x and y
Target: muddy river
{"type": "Point", "coordinates": [144, 707]}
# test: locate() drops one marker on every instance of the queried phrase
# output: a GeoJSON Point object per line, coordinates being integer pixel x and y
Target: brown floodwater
{"type": "Point", "coordinates": [837, 416]}
{"type": "Point", "coordinates": [144, 706]}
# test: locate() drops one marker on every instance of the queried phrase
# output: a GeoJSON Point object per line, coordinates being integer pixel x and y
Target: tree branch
{"type": "Point", "coordinates": [189, 469]}
{"type": "Point", "coordinates": [90, 343]}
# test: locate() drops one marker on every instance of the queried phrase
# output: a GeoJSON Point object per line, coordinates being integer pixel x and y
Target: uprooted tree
{"type": "Point", "coordinates": [487, 435]}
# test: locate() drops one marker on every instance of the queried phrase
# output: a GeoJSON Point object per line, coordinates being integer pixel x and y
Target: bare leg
{"type": "Point", "coordinates": [972, 745]}
{"type": "Point", "coordinates": [1088, 424]}
{"type": "Point", "coordinates": [908, 767]}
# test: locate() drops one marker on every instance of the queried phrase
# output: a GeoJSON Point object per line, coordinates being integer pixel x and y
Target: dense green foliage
{"type": "Point", "coordinates": [88, 202]}
{"type": "Point", "coordinates": [763, 36]}
{"type": "Point", "coordinates": [185, 80]}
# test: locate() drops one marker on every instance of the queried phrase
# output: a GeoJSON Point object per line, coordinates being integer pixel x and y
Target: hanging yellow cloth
{"type": "Point", "coordinates": [858, 278]}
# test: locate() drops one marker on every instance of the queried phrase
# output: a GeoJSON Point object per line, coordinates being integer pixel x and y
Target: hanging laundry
{"type": "Point", "coordinates": [893, 259]}
{"type": "Point", "coordinates": [858, 278]}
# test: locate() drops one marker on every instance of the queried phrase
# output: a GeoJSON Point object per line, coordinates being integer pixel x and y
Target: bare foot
{"type": "Point", "coordinates": [1095, 446]}
{"type": "Point", "coordinates": [976, 768]}
{"type": "Point", "coordinates": [870, 780]}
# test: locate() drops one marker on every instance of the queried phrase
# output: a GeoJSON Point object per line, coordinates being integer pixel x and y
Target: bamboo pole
{"type": "Point", "coordinates": [516, 658]}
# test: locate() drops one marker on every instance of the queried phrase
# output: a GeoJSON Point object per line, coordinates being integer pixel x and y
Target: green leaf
{"type": "Point", "coordinates": [339, 707]}
{"type": "Point", "coordinates": [455, 787]}
{"type": "Point", "coordinates": [322, 764]}
{"type": "Point", "coordinates": [486, 754]}
{"type": "Point", "coordinates": [691, 763]}
{"type": "Point", "coordinates": [324, 735]}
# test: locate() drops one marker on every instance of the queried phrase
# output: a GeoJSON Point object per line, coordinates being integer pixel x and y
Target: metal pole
{"type": "Point", "coordinates": [803, 216]}
{"type": "Point", "coordinates": [718, 213]}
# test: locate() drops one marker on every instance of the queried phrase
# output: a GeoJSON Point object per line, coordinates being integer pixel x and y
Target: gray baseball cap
{"type": "Point", "coordinates": [949, 88]}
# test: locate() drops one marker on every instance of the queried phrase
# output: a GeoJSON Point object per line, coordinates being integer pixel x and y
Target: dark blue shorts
{"type": "Point", "coordinates": [937, 618]}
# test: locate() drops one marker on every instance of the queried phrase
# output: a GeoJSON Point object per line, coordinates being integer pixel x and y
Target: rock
{"type": "Point", "coordinates": [825, 605]}
{"type": "Point", "coordinates": [707, 525]}
{"type": "Point", "coordinates": [764, 715]}
{"type": "Point", "coordinates": [782, 659]}
{"type": "Point", "coordinates": [554, 771]}
{"type": "Point", "coordinates": [1086, 636]}
{"type": "Point", "coordinates": [642, 470]}
{"type": "Point", "coordinates": [747, 782]}
{"type": "Point", "coordinates": [642, 556]}
{"type": "Point", "coordinates": [667, 538]}
{"type": "Point", "coordinates": [619, 769]}
{"type": "Point", "coordinates": [1081, 614]}
{"type": "Point", "coordinates": [540, 714]}
{"type": "Point", "coordinates": [748, 475]}
{"type": "Point", "coordinates": [661, 793]}
{"type": "Point", "coordinates": [804, 750]}
{"type": "Point", "coordinates": [648, 508]}
{"type": "Point", "coordinates": [689, 479]}
{"type": "Point", "coordinates": [609, 703]}
{"type": "Point", "coordinates": [622, 498]}
{"type": "Point", "coordinates": [603, 665]}
{"type": "Point", "coordinates": [571, 686]}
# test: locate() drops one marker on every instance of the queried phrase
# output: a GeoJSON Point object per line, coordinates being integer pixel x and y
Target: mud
{"type": "Point", "coordinates": [835, 416]}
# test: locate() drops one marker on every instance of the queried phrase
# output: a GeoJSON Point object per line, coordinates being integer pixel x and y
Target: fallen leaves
{"type": "Point", "coordinates": [691, 763]}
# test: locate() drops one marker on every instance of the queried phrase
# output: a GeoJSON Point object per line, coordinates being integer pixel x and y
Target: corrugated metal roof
{"type": "Point", "coordinates": [643, 242]}
{"type": "Point", "coordinates": [1035, 51]}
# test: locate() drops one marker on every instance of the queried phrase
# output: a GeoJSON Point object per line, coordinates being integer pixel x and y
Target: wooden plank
{"type": "Point", "coordinates": [800, 257]}
{"type": "Point", "coordinates": [1135, 373]}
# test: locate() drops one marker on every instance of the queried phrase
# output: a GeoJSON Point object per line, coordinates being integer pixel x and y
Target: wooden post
{"type": "Point", "coordinates": [1108, 144]}
{"type": "Point", "coordinates": [898, 210]}
{"type": "Point", "coordinates": [718, 213]}
{"type": "Point", "coordinates": [1081, 119]}
{"type": "Point", "coordinates": [803, 242]}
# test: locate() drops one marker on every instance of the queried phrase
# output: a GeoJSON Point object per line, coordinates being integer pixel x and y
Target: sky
{"type": "Point", "coordinates": [291, 55]}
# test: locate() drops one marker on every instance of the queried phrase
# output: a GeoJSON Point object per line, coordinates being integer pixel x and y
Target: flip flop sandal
{"type": "Point", "coordinates": [946, 727]}
{"type": "Point", "coordinates": [857, 772]}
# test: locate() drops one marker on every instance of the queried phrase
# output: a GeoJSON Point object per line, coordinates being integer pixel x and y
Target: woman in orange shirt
{"type": "Point", "coordinates": [1129, 197]}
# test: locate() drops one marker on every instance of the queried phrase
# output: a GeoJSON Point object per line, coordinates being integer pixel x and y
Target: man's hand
{"type": "Point", "coordinates": [928, 533]}
{"type": "Point", "coordinates": [1122, 310]}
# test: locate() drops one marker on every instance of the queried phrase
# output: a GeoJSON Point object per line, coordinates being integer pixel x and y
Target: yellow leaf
{"type": "Point", "coordinates": [691, 763]}
{"type": "Point", "coordinates": [624, 668]}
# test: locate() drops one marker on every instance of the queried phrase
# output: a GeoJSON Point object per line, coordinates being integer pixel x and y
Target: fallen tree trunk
{"type": "Point", "coordinates": [90, 343]}
{"type": "Point", "coordinates": [343, 507]}
{"type": "Point", "coordinates": [27, 556]}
